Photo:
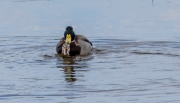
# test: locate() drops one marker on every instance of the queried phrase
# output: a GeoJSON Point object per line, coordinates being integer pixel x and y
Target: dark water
{"type": "Point", "coordinates": [135, 59]}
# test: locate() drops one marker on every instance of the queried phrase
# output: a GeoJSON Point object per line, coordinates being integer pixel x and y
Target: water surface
{"type": "Point", "coordinates": [135, 57]}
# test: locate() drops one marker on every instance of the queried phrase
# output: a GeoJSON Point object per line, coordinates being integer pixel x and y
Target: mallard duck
{"type": "Point", "coordinates": [72, 44]}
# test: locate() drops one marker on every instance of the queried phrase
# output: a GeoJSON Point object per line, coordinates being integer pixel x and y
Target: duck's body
{"type": "Point", "coordinates": [78, 45]}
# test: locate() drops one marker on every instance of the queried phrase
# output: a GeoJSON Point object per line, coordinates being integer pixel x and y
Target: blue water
{"type": "Point", "coordinates": [135, 59]}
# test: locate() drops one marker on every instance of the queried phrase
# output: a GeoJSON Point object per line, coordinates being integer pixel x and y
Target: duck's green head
{"type": "Point", "coordinates": [69, 35]}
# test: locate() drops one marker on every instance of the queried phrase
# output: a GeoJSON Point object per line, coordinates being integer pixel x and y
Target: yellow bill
{"type": "Point", "coordinates": [68, 38]}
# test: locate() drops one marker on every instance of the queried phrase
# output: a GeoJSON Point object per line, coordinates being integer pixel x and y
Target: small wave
{"type": "Point", "coordinates": [154, 53]}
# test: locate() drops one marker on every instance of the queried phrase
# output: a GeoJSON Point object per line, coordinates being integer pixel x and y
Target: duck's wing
{"type": "Point", "coordinates": [59, 45]}
{"type": "Point", "coordinates": [81, 37]}
{"type": "Point", "coordinates": [84, 43]}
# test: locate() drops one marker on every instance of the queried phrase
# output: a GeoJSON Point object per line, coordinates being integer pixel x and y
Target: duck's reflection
{"type": "Point", "coordinates": [69, 73]}
{"type": "Point", "coordinates": [71, 69]}
{"type": "Point", "coordinates": [68, 60]}
{"type": "Point", "coordinates": [67, 65]}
